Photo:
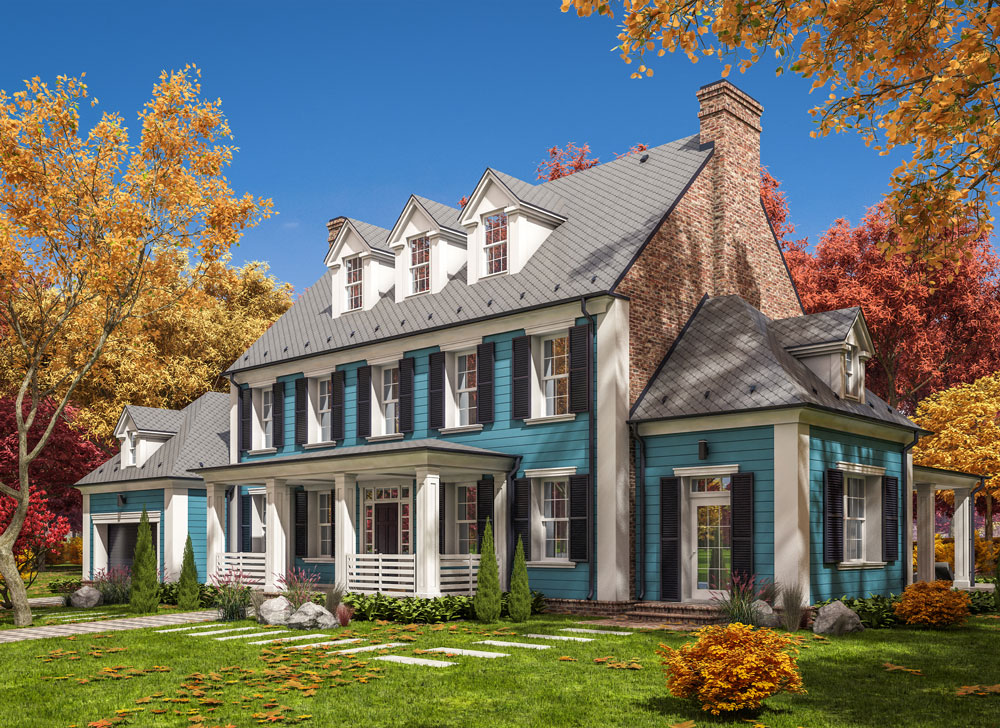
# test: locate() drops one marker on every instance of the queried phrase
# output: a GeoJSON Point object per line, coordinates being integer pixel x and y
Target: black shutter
{"type": "Point", "coordinates": [441, 521]}
{"type": "Point", "coordinates": [301, 411]}
{"type": "Point", "coordinates": [435, 394]}
{"type": "Point", "coordinates": [337, 381]}
{"type": "Point", "coordinates": [301, 524]}
{"type": "Point", "coordinates": [246, 535]}
{"type": "Point", "coordinates": [833, 517]}
{"type": "Point", "coordinates": [890, 518]}
{"type": "Point", "coordinates": [246, 419]}
{"type": "Point", "coordinates": [484, 510]}
{"type": "Point", "coordinates": [406, 394]}
{"type": "Point", "coordinates": [579, 517]}
{"type": "Point", "coordinates": [278, 414]}
{"type": "Point", "coordinates": [670, 539]}
{"type": "Point", "coordinates": [521, 378]}
{"type": "Point", "coordinates": [484, 380]}
{"type": "Point", "coordinates": [522, 515]}
{"type": "Point", "coordinates": [579, 368]}
{"type": "Point", "coordinates": [741, 531]}
{"type": "Point", "coordinates": [364, 401]}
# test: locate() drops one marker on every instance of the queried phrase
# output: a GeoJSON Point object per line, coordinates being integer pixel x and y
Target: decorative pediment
{"type": "Point", "coordinates": [358, 238]}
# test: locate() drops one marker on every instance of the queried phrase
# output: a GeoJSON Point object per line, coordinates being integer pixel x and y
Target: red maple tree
{"type": "Point", "coordinates": [42, 531]}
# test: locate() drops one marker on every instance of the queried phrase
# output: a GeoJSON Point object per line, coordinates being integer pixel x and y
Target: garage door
{"type": "Point", "coordinates": [121, 543]}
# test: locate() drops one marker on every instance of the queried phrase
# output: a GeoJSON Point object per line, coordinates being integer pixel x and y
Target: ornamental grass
{"type": "Point", "coordinates": [933, 604]}
{"type": "Point", "coordinates": [732, 668]}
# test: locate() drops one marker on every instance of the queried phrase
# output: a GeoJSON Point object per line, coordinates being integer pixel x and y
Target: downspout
{"type": "Point", "coordinates": [511, 544]}
{"type": "Point", "coordinates": [640, 504]}
{"type": "Point", "coordinates": [972, 530]}
{"type": "Point", "coordinates": [592, 449]}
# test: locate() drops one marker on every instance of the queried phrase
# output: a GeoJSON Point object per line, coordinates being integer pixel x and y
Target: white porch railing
{"type": "Point", "coordinates": [391, 574]}
{"type": "Point", "coordinates": [251, 564]}
{"type": "Point", "coordinates": [459, 573]}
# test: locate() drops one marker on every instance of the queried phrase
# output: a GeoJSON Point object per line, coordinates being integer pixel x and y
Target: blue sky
{"type": "Point", "coordinates": [347, 108]}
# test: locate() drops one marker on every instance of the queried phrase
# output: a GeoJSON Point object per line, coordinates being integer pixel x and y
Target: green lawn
{"type": "Point", "coordinates": [847, 684]}
{"type": "Point", "coordinates": [58, 572]}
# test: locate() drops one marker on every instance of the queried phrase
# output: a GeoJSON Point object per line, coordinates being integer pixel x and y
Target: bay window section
{"type": "Point", "coordinates": [495, 247]}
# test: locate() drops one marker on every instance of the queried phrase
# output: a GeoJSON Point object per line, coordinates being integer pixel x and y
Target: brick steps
{"type": "Point", "coordinates": [673, 613]}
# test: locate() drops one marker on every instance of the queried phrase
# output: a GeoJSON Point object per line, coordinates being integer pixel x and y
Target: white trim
{"type": "Point", "coordinates": [848, 565]}
{"type": "Point", "coordinates": [319, 560]}
{"type": "Point", "coordinates": [263, 451]}
{"type": "Point", "coordinates": [706, 471]}
{"type": "Point", "coordinates": [552, 327]}
{"type": "Point", "coordinates": [859, 469]}
{"type": "Point", "coordinates": [316, 445]}
{"type": "Point", "coordinates": [550, 472]}
{"type": "Point", "coordinates": [545, 419]}
{"type": "Point", "coordinates": [551, 564]}
{"type": "Point", "coordinates": [460, 428]}
{"type": "Point", "coordinates": [383, 438]}
{"type": "Point", "coordinates": [379, 361]}
{"type": "Point", "coordinates": [460, 346]}
{"type": "Point", "coordinates": [257, 490]}
{"type": "Point", "coordinates": [124, 517]}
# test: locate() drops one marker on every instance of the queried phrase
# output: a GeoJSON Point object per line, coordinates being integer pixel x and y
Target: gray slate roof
{"type": "Point", "coordinates": [375, 236]}
{"type": "Point", "coordinates": [443, 215]}
{"type": "Point", "coordinates": [153, 419]}
{"type": "Point", "coordinates": [202, 440]}
{"type": "Point", "coordinates": [611, 210]}
{"type": "Point", "coordinates": [731, 358]}
{"type": "Point", "coordinates": [816, 328]}
{"type": "Point", "coordinates": [543, 196]}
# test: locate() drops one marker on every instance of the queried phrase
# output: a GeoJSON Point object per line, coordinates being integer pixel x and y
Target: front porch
{"type": "Point", "coordinates": [927, 482]}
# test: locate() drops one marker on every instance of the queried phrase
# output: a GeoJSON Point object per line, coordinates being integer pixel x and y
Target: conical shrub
{"type": "Point", "coordinates": [520, 593]}
{"type": "Point", "coordinates": [145, 596]}
{"type": "Point", "coordinates": [188, 588]}
{"type": "Point", "coordinates": [487, 599]}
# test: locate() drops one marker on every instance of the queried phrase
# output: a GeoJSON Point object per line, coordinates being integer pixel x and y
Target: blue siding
{"type": "Point", "coordinates": [151, 500]}
{"type": "Point", "coordinates": [197, 529]}
{"type": "Point", "coordinates": [288, 405]}
{"type": "Point", "coordinates": [752, 448]}
{"type": "Point", "coordinates": [326, 571]}
{"type": "Point", "coordinates": [826, 448]}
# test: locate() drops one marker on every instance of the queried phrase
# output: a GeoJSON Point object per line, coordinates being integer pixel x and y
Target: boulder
{"type": "Point", "coordinates": [311, 616]}
{"type": "Point", "coordinates": [85, 597]}
{"type": "Point", "coordinates": [764, 615]}
{"type": "Point", "coordinates": [275, 611]}
{"type": "Point", "coordinates": [836, 618]}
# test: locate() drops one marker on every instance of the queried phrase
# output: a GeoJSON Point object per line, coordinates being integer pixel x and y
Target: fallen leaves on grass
{"type": "Point", "coordinates": [899, 668]}
{"type": "Point", "coordinates": [619, 664]}
{"type": "Point", "coordinates": [978, 690]}
{"type": "Point", "coordinates": [566, 658]}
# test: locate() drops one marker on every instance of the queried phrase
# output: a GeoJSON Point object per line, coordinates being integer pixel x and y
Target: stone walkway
{"type": "Point", "coordinates": [106, 625]}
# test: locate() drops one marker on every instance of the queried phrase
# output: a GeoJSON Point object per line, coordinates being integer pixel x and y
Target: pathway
{"type": "Point", "coordinates": [105, 625]}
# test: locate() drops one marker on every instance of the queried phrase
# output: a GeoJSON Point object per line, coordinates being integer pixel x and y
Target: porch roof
{"type": "Point", "coordinates": [944, 479]}
{"type": "Point", "coordinates": [382, 459]}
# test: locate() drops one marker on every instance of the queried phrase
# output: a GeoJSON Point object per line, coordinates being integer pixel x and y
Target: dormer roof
{"type": "Point", "coordinates": [149, 420]}
{"type": "Point", "coordinates": [373, 236]}
{"type": "Point", "coordinates": [542, 199]}
{"type": "Point", "coordinates": [444, 217]}
{"type": "Point", "coordinates": [817, 329]}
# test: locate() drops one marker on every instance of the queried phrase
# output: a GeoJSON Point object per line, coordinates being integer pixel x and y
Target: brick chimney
{"type": "Point", "coordinates": [333, 227]}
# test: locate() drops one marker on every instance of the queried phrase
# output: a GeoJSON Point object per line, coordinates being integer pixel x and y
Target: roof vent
{"type": "Point", "coordinates": [430, 316]}
{"type": "Point", "coordinates": [328, 339]}
{"type": "Point", "coordinates": [815, 391]}
{"type": "Point", "coordinates": [643, 158]}
{"type": "Point", "coordinates": [593, 278]}
{"type": "Point", "coordinates": [458, 310]}
{"type": "Point", "coordinates": [557, 287]}
{"type": "Point", "coordinates": [265, 353]}
{"type": "Point", "coordinates": [490, 302]}
{"type": "Point", "coordinates": [522, 295]}
{"type": "Point", "coordinates": [201, 464]}
{"type": "Point", "coordinates": [707, 393]}
{"type": "Point", "coordinates": [753, 388]}
{"type": "Point", "coordinates": [352, 334]}
{"type": "Point", "coordinates": [307, 343]}
{"type": "Point", "coordinates": [403, 322]}
{"type": "Point", "coordinates": [377, 326]}
{"type": "Point", "coordinates": [285, 350]}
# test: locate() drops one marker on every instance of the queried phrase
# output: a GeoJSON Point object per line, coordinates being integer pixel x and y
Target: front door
{"type": "Point", "coordinates": [711, 519]}
{"type": "Point", "coordinates": [387, 528]}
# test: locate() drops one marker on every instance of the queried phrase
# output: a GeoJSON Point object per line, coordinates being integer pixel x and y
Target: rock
{"type": "Point", "coordinates": [311, 616]}
{"type": "Point", "coordinates": [764, 616]}
{"type": "Point", "coordinates": [85, 597]}
{"type": "Point", "coordinates": [836, 618]}
{"type": "Point", "coordinates": [275, 611]}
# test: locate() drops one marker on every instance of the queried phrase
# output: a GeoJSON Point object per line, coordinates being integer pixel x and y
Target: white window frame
{"type": "Point", "coordinates": [543, 520]}
{"type": "Point", "coordinates": [131, 448]}
{"type": "Point", "coordinates": [849, 481]}
{"type": "Point", "coordinates": [472, 392]}
{"type": "Point", "coordinates": [373, 493]}
{"type": "Point", "coordinates": [325, 515]}
{"type": "Point", "coordinates": [266, 417]}
{"type": "Point", "coordinates": [544, 379]}
{"type": "Point", "coordinates": [487, 246]}
{"type": "Point", "coordinates": [383, 401]}
{"type": "Point", "coordinates": [853, 373]}
{"type": "Point", "coordinates": [414, 267]}
{"type": "Point", "coordinates": [462, 522]}
{"type": "Point", "coordinates": [354, 264]}
{"type": "Point", "coordinates": [324, 432]}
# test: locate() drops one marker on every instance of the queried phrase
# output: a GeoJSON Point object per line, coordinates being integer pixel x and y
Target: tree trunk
{"type": "Point", "coordinates": [988, 526]}
{"type": "Point", "coordinates": [8, 565]}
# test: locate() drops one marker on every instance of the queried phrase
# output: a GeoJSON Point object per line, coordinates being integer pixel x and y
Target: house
{"type": "Point", "coordinates": [613, 367]}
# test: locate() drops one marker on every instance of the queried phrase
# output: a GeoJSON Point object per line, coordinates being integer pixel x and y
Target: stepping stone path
{"type": "Point", "coordinates": [287, 639]}
{"type": "Point", "coordinates": [370, 648]}
{"type": "Point", "coordinates": [498, 643]}
{"type": "Point", "coordinates": [467, 653]}
{"type": "Point", "coordinates": [560, 637]}
{"type": "Point", "coordinates": [595, 631]}
{"type": "Point", "coordinates": [248, 636]}
{"type": "Point", "coordinates": [106, 625]}
{"type": "Point", "coordinates": [220, 631]}
{"type": "Point", "coordinates": [320, 644]}
{"type": "Point", "coordinates": [184, 629]}
{"type": "Point", "coordinates": [414, 661]}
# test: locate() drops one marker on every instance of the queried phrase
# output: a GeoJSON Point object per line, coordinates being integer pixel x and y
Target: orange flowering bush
{"type": "Point", "coordinates": [732, 667]}
{"type": "Point", "coordinates": [933, 604]}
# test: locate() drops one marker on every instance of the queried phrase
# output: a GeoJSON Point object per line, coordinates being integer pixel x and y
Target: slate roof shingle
{"type": "Point", "coordinates": [154, 419]}
{"type": "Point", "coordinates": [816, 328]}
{"type": "Point", "coordinates": [443, 215]}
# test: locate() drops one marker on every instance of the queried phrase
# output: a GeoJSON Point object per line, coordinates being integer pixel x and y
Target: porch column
{"type": "Point", "coordinates": [501, 528]}
{"type": "Point", "coordinates": [88, 530]}
{"type": "Point", "coordinates": [345, 527]}
{"type": "Point", "coordinates": [428, 556]}
{"type": "Point", "coordinates": [925, 532]}
{"type": "Point", "coordinates": [961, 529]}
{"type": "Point", "coordinates": [276, 523]}
{"type": "Point", "coordinates": [175, 530]}
{"type": "Point", "coordinates": [215, 528]}
{"type": "Point", "coordinates": [908, 541]}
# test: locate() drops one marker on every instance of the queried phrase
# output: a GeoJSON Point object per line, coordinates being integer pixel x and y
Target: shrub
{"type": "Point", "coordinates": [115, 585]}
{"type": "Point", "coordinates": [519, 603]}
{"type": "Point", "coordinates": [408, 610]}
{"type": "Point", "coordinates": [145, 597]}
{"type": "Point", "coordinates": [188, 593]}
{"type": "Point", "coordinates": [298, 585]}
{"type": "Point", "coordinates": [732, 668]}
{"type": "Point", "coordinates": [332, 598]}
{"type": "Point", "coordinates": [169, 592]}
{"type": "Point", "coordinates": [981, 602]}
{"type": "Point", "coordinates": [487, 599]}
{"type": "Point", "coordinates": [791, 606]}
{"type": "Point", "coordinates": [69, 551]}
{"type": "Point", "coordinates": [344, 614]}
{"type": "Point", "coordinates": [736, 604]}
{"type": "Point", "coordinates": [933, 604]}
{"type": "Point", "coordinates": [66, 586]}
{"type": "Point", "coordinates": [232, 596]}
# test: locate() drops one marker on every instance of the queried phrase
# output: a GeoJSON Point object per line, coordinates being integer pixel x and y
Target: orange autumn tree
{"type": "Point", "coordinates": [88, 222]}
{"type": "Point", "coordinates": [922, 76]}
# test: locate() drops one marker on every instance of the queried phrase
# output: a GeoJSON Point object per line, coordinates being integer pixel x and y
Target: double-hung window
{"type": "Point", "coordinates": [323, 401]}
{"type": "Point", "coordinates": [465, 517]}
{"type": "Point", "coordinates": [465, 388]}
{"type": "Point", "coordinates": [266, 417]}
{"type": "Point", "coordinates": [132, 440]}
{"type": "Point", "coordinates": [325, 524]}
{"type": "Point", "coordinates": [555, 375]}
{"type": "Point", "coordinates": [495, 227]}
{"type": "Point", "coordinates": [420, 265]}
{"type": "Point", "coordinates": [352, 271]}
{"type": "Point", "coordinates": [555, 518]}
{"type": "Point", "coordinates": [390, 399]}
{"type": "Point", "coordinates": [854, 519]}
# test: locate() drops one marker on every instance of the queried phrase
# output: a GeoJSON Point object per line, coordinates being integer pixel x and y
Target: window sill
{"type": "Point", "coordinates": [318, 560]}
{"type": "Point", "coordinates": [553, 564]}
{"type": "Point", "coordinates": [316, 445]}
{"type": "Point", "coordinates": [550, 418]}
{"type": "Point", "coordinates": [384, 438]}
{"type": "Point", "coordinates": [861, 565]}
{"type": "Point", "coordinates": [460, 428]}
{"type": "Point", "coordinates": [263, 451]}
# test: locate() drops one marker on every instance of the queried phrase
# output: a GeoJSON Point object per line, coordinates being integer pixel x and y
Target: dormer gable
{"type": "Point", "coordinates": [507, 220]}
{"type": "Point", "coordinates": [362, 267]}
{"type": "Point", "coordinates": [141, 431]}
{"type": "Point", "coordinates": [429, 247]}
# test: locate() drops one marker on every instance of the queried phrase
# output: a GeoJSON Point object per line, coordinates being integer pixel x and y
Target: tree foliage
{"type": "Point", "coordinates": [923, 76]}
{"type": "Point", "coordinates": [188, 588]}
{"type": "Point", "coordinates": [487, 600]}
{"type": "Point", "coordinates": [145, 597]}
{"type": "Point", "coordinates": [42, 531]}
{"type": "Point", "coordinates": [519, 606]}
{"type": "Point", "coordinates": [564, 161]}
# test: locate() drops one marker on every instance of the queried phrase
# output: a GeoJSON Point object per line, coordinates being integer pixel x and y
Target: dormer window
{"type": "Point", "coordinates": [353, 282]}
{"type": "Point", "coordinates": [420, 265]}
{"type": "Point", "coordinates": [495, 228]}
{"type": "Point", "coordinates": [130, 454]}
{"type": "Point", "coordinates": [853, 373]}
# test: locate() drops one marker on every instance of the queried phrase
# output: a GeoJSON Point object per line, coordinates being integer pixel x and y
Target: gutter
{"type": "Point", "coordinates": [640, 504]}
{"type": "Point", "coordinates": [592, 450]}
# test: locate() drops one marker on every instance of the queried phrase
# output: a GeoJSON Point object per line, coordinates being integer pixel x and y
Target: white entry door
{"type": "Point", "coordinates": [710, 520]}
